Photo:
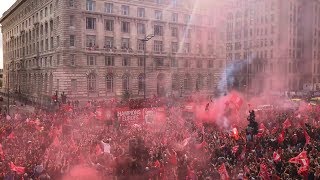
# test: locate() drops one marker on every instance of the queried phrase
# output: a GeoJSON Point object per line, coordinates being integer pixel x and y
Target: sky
{"type": "Point", "coordinates": [4, 5]}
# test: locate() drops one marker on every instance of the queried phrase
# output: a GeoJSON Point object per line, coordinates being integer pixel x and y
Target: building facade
{"type": "Point", "coordinates": [276, 42]}
{"type": "Point", "coordinates": [94, 49]}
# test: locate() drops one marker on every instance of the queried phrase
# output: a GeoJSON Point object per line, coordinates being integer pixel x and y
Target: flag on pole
{"type": "Point", "coordinates": [17, 169]}
{"type": "Point", "coordinates": [307, 137]}
{"type": "Point", "coordinates": [281, 137]}
{"type": "Point", "coordinates": [264, 174]}
{"type": "Point", "coordinates": [235, 149]}
{"type": "Point", "coordinates": [286, 124]}
{"type": "Point", "coordinates": [276, 157]}
{"type": "Point", "coordinates": [223, 172]}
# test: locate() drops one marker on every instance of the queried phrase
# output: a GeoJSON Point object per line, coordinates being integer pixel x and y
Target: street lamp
{"type": "Point", "coordinates": [147, 38]}
{"type": "Point", "coordinates": [8, 105]}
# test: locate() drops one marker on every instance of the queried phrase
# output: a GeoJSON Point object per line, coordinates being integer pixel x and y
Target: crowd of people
{"type": "Point", "coordinates": [74, 142]}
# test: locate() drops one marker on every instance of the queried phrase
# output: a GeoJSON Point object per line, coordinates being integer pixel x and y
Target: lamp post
{"type": "Point", "coordinates": [8, 91]}
{"type": "Point", "coordinates": [147, 38]}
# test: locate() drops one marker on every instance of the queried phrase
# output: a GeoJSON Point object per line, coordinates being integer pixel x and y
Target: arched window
{"type": "Point", "coordinates": [210, 81]}
{"type": "Point", "coordinates": [199, 82]}
{"type": "Point", "coordinates": [125, 83]}
{"type": "Point", "coordinates": [141, 83]}
{"type": "Point", "coordinates": [45, 84]}
{"type": "Point", "coordinates": [109, 83]}
{"type": "Point", "coordinates": [50, 84]}
{"type": "Point", "coordinates": [175, 82]}
{"type": "Point", "coordinates": [91, 82]}
{"type": "Point", "coordinates": [187, 82]}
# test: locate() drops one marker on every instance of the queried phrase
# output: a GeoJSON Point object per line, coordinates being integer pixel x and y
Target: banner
{"type": "Point", "coordinates": [130, 116]}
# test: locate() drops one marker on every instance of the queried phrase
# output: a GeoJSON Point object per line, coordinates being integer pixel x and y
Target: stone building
{"type": "Point", "coordinates": [94, 49]}
{"type": "Point", "coordinates": [276, 42]}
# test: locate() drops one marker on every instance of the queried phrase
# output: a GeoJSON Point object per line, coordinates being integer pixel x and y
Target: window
{"type": "Point", "coordinates": [188, 33]}
{"type": "Point", "coordinates": [72, 20]}
{"type": "Point", "coordinates": [126, 61]}
{"type": "Point", "coordinates": [186, 48]}
{"type": "Point", "coordinates": [141, 28]}
{"type": "Point", "coordinates": [58, 59]}
{"type": "Point", "coordinates": [109, 24]}
{"type": "Point", "coordinates": [50, 8]}
{"type": "Point", "coordinates": [187, 82]}
{"type": "Point", "coordinates": [51, 43]}
{"type": "Point", "coordinates": [41, 14]}
{"type": "Point", "coordinates": [73, 59]}
{"type": "Point", "coordinates": [141, 83]}
{"type": "Point", "coordinates": [45, 12]}
{"type": "Point", "coordinates": [174, 32]}
{"type": "Point", "coordinates": [210, 35]}
{"type": "Point", "coordinates": [158, 1]}
{"type": "Point", "coordinates": [210, 63]}
{"type": "Point", "coordinates": [74, 85]}
{"type": "Point", "coordinates": [71, 3]}
{"type": "Point", "coordinates": [174, 17]}
{"type": "Point", "coordinates": [174, 47]}
{"type": "Point", "coordinates": [125, 27]}
{"type": "Point", "coordinates": [109, 42]}
{"type": "Point", "coordinates": [159, 62]}
{"type": "Point", "coordinates": [141, 45]}
{"type": "Point", "coordinates": [210, 49]}
{"type": "Point", "coordinates": [91, 60]}
{"type": "Point", "coordinates": [125, 82]}
{"type": "Point", "coordinates": [90, 5]}
{"type": "Point", "coordinates": [141, 12]}
{"type": "Point", "coordinates": [90, 23]}
{"type": "Point", "coordinates": [91, 41]}
{"type": "Point", "coordinates": [174, 62]}
{"type": "Point", "coordinates": [109, 83]}
{"type": "Point", "coordinates": [125, 10]}
{"type": "Point", "coordinates": [187, 18]}
{"type": "Point", "coordinates": [109, 61]}
{"type": "Point", "coordinates": [210, 81]}
{"type": "Point", "coordinates": [158, 45]}
{"type": "Point", "coordinates": [199, 82]}
{"type": "Point", "coordinates": [109, 8]}
{"type": "Point", "coordinates": [125, 43]}
{"type": "Point", "coordinates": [72, 40]}
{"type": "Point", "coordinates": [91, 82]}
{"type": "Point", "coordinates": [158, 15]}
{"type": "Point", "coordinates": [175, 82]}
{"type": "Point", "coordinates": [141, 61]}
{"type": "Point", "coordinates": [158, 30]}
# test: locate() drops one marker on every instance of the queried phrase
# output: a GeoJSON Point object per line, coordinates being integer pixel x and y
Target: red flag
{"type": "Point", "coordinates": [286, 124]}
{"type": "Point", "coordinates": [17, 169]}
{"type": "Point", "coordinates": [236, 100]}
{"type": "Point", "coordinates": [297, 159]}
{"type": "Point", "coordinates": [264, 174]}
{"type": "Point", "coordinates": [302, 159]}
{"type": "Point", "coordinates": [262, 130]}
{"type": "Point", "coordinates": [1, 151]}
{"type": "Point", "coordinates": [276, 157]}
{"type": "Point", "coordinates": [281, 137]}
{"type": "Point", "coordinates": [56, 142]}
{"type": "Point", "coordinates": [274, 130]}
{"type": "Point", "coordinates": [98, 150]}
{"type": "Point", "coordinates": [235, 133]}
{"type": "Point", "coordinates": [157, 164]}
{"type": "Point", "coordinates": [201, 145]}
{"type": "Point", "coordinates": [173, 159]}
{"type": "Point", "coordinates": [223, 172]}
{"type": "Point", "coordinates": [235, 149]}
{"type": "Point", "coordinates": [307, 137]}
{"type": "Point", "coordinates": [11, 135]}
